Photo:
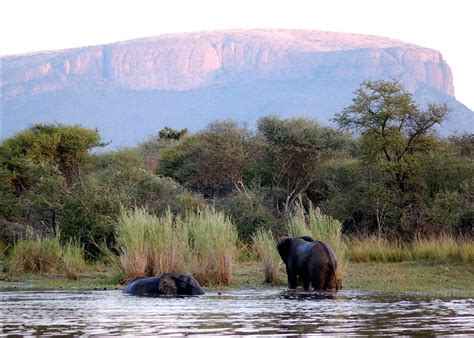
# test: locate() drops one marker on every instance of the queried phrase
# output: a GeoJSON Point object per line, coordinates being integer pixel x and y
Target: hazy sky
{"type": "Point", "coordinates": [448, 26]}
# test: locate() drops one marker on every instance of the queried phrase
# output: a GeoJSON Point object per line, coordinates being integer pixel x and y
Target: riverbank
{"type": "Point", "coordinates": [425, 277]}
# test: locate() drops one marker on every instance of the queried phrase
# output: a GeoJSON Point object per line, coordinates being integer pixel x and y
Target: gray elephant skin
{"type": "Point", "coordinates": [168, 284]}
{"type": "Point", "coordinates": [311, 260]}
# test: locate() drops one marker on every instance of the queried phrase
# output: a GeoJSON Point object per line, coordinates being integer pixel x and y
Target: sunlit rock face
{"type": "Point", "coordinates": [208, 75]}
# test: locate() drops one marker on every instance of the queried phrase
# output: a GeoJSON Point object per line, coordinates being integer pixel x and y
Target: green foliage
{"type": "Point", "coordinates": [42, 169]}
{"type": "Point", "coordinates": [296, 151]}
{"type": "Point", "coordinates": [395, 140]}
{"type": "Point", "coordinates": [250, 211]}
{"type": "Point", "coordinates": [211, 162]}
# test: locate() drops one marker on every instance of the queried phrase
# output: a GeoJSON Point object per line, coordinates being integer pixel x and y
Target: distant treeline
{"type": "Point", "coordinates": [392, 177]}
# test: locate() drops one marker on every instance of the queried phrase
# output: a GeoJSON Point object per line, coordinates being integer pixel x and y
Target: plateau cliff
{"type": "Point", "coordinates": [134, 88]}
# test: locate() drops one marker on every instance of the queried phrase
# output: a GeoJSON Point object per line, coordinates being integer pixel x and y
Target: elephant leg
{"type": "Point", "coordinates": [318, 278]}
{"type": "Point", "coordinates": [292, 279]}
{"type": "Point", "coordinates": [306, 283]}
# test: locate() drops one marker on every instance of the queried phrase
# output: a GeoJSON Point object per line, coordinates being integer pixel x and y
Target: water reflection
{"type": "Point", "coordinates": [237, 312]}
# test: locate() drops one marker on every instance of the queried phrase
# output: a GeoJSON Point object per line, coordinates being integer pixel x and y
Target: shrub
{"type": "Point", "coordinates": [265, 248]}
{"type": "Point", "coordinates": [249, 212]}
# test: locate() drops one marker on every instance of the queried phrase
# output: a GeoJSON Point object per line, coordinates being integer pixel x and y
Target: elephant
{"type": "Point", "coordinates": [168, 284]}
{"type": "Point", "coordinates": [311, 260]}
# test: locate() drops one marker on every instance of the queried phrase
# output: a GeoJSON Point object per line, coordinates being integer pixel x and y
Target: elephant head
{"type": "Point", "coordinates": [179, 284]}
{"type": "Point", "coordinates": [284, 246]}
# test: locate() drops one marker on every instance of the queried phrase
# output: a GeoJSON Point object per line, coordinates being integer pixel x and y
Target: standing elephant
{"type": "Point", "coordinates": [313, 261]}
{"type": "Point", "coordinates": [168, 284]}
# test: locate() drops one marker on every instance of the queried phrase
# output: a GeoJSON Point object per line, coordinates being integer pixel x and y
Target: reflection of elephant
{"type": "Point", "coordinates": [313, 261]}
{"type": "Point", "coordinates": [168, 284]}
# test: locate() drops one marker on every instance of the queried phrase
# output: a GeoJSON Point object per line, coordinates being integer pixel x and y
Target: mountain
{"type": "Point", "coordinates": [132, 89]}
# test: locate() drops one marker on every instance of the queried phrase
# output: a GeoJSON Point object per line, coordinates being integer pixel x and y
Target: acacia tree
{"type": "Point", "coordinates": [296, 150]}
{"type": "Point", "coordinates": [42, 167]}
{"type": "Point", "coordinates": [395, 134]}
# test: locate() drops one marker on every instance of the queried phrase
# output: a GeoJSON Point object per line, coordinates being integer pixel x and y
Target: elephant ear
{"type": "Point", "coordinates": [283, 247]}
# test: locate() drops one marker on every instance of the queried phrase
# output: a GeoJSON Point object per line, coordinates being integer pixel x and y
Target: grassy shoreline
{"type": "Point", "coordinates": [424, 277]}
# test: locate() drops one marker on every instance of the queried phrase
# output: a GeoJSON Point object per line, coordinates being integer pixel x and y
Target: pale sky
{"type": "Point", "coordinates": [39, 25]}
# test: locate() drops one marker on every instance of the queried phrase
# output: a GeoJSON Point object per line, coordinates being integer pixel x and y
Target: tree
{"type": "Point", "coordinates": [42, 167]}
{"type": "Point", "coordinates": [296, 150]}
{"type": "Point", "coordinates": [212, 162]}
{"type": "Point", "coordinates": [396, 135]}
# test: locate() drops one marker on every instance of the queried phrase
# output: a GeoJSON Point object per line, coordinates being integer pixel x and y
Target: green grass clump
{"type": "Point", "coordinates": [46, 254]}
{"type": "Point", "coordinates": [212, 239]}
{"type": "Point", "coordinates": [264, 245]}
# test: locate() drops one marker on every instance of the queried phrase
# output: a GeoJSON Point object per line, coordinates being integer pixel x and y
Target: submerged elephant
{"type": "Point", "coordinates": [168, 284]}
{"type": "Point", "coordinates": [313, 261]}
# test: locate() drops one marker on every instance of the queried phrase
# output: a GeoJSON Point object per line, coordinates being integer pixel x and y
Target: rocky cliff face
{"type": "Point", "coordinates": [190, 61]}
{"type": "Point", "coordinates": [187, 80]}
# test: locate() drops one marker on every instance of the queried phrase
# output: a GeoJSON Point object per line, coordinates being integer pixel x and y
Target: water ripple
{"type": "Point", "coordinates": [241, 312]}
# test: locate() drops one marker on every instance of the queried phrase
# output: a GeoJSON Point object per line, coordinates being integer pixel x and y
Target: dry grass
{"type": "Point", "coordinates": [203, 243]}
{"type": "Point", "coordinates": [213, 246]}
{"type": "Point", "coordinates": [264, 245]}
{"type": "Point", "coordinates": [441, 249]}
{"type": "Point", "coordinates": [43, 255]}
{"type": "Point", "coordinates": [150, 245]}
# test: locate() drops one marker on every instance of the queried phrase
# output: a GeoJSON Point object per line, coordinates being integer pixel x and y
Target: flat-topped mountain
{"type": "Point", "coordinates": [131, 89]}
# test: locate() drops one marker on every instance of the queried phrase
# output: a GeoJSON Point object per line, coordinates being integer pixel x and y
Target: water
{"type": "Point", "coordinates": [241, 312]}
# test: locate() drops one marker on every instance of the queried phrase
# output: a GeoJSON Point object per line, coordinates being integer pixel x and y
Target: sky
{"type": "Point", "coordinates": [445, 25]}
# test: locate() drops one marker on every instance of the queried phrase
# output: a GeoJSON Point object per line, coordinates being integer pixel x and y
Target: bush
{"type": "Point", "coordinates": [264, 245]}
{"type": "Point", "coordinates": [249, 212]}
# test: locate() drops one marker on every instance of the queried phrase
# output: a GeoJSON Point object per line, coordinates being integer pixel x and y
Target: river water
{"type": "Point", "coordinates": [240, 312]}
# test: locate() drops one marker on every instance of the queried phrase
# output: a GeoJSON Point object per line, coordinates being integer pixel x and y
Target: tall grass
{"type": "Point", "coordinates": [264, 246]}
{"type": "Point", "coordinates": [213, 246]}
{"type": "Point", "coordinates": [320, 227]}
{"type": "Point", "coordinates": [43, 255]}
{"type": "Point", "coordinates": [441, 249]}
{"type": "Point", "coordinates": [203, 243]}
{"type": "Point", "coordinates": [150, 245]}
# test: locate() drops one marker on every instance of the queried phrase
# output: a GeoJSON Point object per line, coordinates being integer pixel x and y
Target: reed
{"type": "Point", "coordinates": [264, 246]}
{"type": "Point", "coordinates": [150, 245]}
{"type": "Point", "coordinates": [212, 239]}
